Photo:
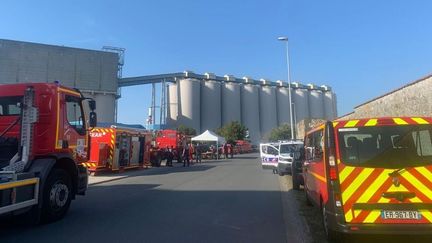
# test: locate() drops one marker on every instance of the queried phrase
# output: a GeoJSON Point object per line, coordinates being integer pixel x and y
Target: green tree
{"type": "Point", "coordinates": [232, 131]}
{"type": "Point", "coordinates": [186, 130]}
{"type": "Point", "coordinates": [283, 132]}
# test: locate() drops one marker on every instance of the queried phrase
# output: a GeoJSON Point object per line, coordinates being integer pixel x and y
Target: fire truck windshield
{"type": "Point", "coordinates": [9, 106]}
{"type": "Point", "coordinates": [386, 146]}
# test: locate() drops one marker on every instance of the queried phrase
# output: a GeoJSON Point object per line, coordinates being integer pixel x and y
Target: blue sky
{"type": "Point", "coordinates": [360, 48]}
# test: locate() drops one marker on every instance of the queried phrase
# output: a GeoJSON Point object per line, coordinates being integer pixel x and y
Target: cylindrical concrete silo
{"type": "Point", "coordinates": [250, 111]}
{"type": "Point", "coordinates": [172, 105]}
{"type": "Point", "coordinates": [335, 110]}
{"type": "Point", "coordinates": [329, 105]}
{"type": "Point", "coordinates": [268, 112]}
{"type": "Point", "coordinates": [231, 110]}
{"type": "Point", "coordinates": [189, 103]}
{"type": "Point", "coordinates": [283, 107]}
{"type": "Point", "coordinates": [210, 105]}
{"type": "Point", "coordinates": [301, 104]}
{"type": "Point", "coordinates": [316, 104]}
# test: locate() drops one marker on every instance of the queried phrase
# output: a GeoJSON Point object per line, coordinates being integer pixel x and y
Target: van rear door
{"type": "Point", "coordinates": [269, 156]}
{"type": "Point", "coordinates": [385, 173]}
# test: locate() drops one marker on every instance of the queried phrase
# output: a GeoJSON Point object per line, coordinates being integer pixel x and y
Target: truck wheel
{"type": "Point", "coordinates": [332, 236]}
{"type": "Point", "coordinates": [57, 196]}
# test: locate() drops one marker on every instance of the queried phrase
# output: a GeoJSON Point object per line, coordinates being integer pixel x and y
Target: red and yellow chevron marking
{"type": "Point", "coordinates": [366, 185]}
{"type": "Point", "coordinates": [383, 121]}
{"type": "Point", "coordinates": [105, 130]}
{"type": "Point", "coordinates": [90, 165]}
{"type": "Point", "coordinates": [111, 147]}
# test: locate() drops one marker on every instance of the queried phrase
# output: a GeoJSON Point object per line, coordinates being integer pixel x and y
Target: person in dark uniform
{"type": "Point", "coordinates": [231, 150]}
{"type": "Point", "coordinates": [185, 156]}
{"type": "Point", "coordinates": [170, 157]}
{"type": "Point", "coordinates": [178, 153]}
{"type": "Point", "coordinates": [225, 150]}
{"type": "Point", "coordinates": [198, 151]}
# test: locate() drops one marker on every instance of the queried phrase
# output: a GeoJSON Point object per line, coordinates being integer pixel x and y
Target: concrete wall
{"type": "Point", "coordinates": [414, 99]}
{"type": "Point", "coordinates": [86, 70]}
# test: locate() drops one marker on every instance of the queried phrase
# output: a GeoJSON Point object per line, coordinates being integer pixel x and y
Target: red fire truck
{"type": "Point", "coordinates": [116, 148]}
{"type": "Point", "coordinates": [166, 139]}
{"type": "Point", "coordinates": [43, 141]}
{"type": "Point", "coordinates": [243, 146]}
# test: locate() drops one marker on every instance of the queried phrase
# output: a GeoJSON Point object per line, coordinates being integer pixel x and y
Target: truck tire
{"type": "Point", "coordinates": [57, 195]}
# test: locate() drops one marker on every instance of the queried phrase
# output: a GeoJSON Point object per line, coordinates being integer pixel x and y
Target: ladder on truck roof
{"type": "Point", "coordinates": [20, 190]}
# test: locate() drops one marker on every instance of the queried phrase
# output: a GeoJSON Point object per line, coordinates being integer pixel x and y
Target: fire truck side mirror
{"type": "Point", "coordinates": [92, 105]}
{"type": "Point", "coordinates": [93, 119]}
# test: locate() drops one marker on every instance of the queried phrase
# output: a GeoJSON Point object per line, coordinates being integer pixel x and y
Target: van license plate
{"type": "Point", "coordinates": [400, 215]}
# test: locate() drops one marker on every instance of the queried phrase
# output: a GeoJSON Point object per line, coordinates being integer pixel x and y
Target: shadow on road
{"type": "Point", "coordinates": [144, 213]}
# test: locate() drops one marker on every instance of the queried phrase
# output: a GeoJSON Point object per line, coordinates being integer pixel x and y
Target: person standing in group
{"type": "Point", "coordinates": [231, 150]}
{"type": "Point", "coordinates": [178, 154]}
{"type": "Point", "coordinates": [212, 150]}
{"type": "Point", "coordinates": [198, 152]}
{"type": "Point", "coordinates": [191, 152]}
{"type": "Point", "coordinates": [185, 156]}
{"type": "Point", "coordinates": [170, 156]}
{"type": "Point", "coordinates": [225, 150]}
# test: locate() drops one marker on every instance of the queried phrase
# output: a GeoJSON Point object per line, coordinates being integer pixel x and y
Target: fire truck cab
{"type": "Point", "coordinates": [371, 176]}
{"type": "Point", "coordinates": [43, 141]}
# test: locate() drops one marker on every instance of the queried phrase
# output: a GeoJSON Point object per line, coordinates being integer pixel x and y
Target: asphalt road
{"type": "Point", "coordinates": [225, 201]}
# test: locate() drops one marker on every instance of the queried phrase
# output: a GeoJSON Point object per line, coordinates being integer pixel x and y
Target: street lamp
{"type": "Point", "coordinates": [283, 38]}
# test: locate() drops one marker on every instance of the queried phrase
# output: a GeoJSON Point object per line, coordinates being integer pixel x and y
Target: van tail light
{"type": "Point", "coordinates": [332, 168]}
{"type": "Point", "coordinates": [333, 174]}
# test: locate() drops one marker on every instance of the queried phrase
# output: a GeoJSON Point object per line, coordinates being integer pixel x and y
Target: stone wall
{"type": "Point", "coordinates": [414, 99]}
{"type": "Point", "coordinates": [306, 125]}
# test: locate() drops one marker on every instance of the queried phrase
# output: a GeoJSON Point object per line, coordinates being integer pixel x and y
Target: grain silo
{"type": "Point", "coordinates": [301, 102]}
{"type": "Point", "coordinates": [283, 107]}
{"type": "Point", "coordinates": [210, 105]}
{"type": "Point", "coordinates": [231, 110]}
{"type": "Point", "coordinates": [316, 102]}
{"type": "Point", "coordinates": [249, 110]}
{"type": "Point", "coordinates": [172, 106]}
{"type": "Point", "coordinates": [268, 111]}
{"type": "Point", "coordinates": [189, 103]}
{"type": "Point", "coordinates": [329, 110]}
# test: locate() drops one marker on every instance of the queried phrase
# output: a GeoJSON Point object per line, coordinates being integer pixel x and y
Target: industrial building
{"type": "Point", "coordinates": [412, 99]}
{"type": "Point", "coordinates": [207, 101]}
{"type": "Point", "coordinates": [200, 101]}
{"type": "Point", "coordinates": [93, 72]}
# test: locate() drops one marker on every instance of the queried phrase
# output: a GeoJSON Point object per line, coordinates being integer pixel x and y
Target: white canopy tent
{"type": "Point", "coordinates": [209, 136]}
